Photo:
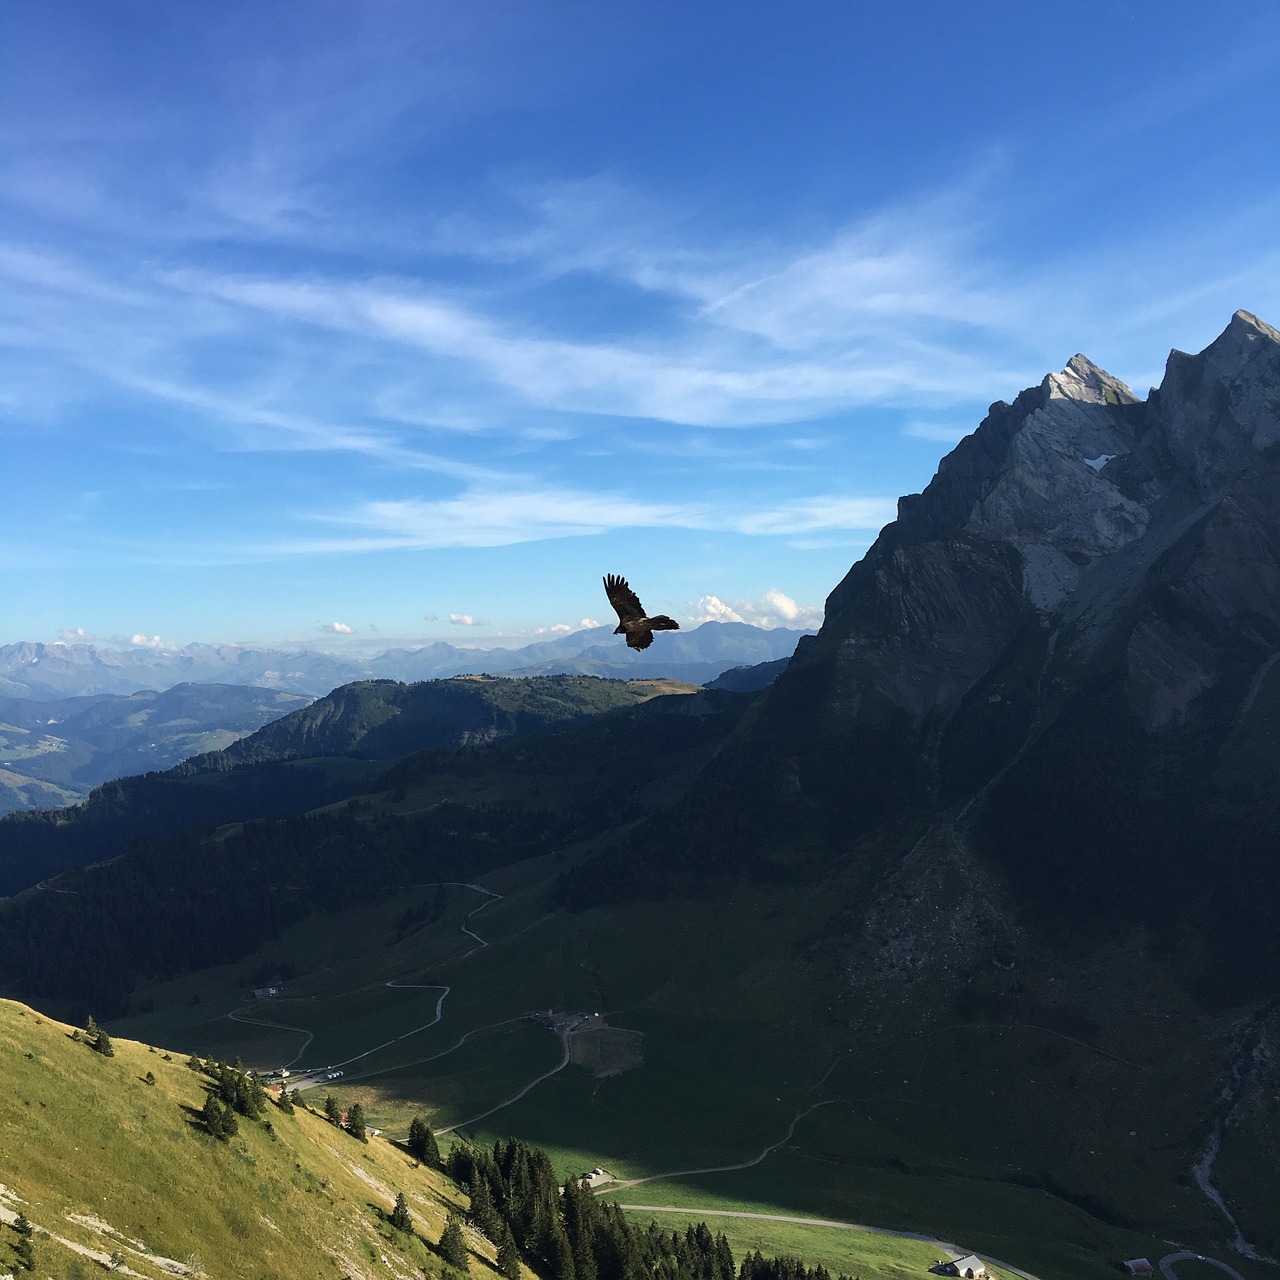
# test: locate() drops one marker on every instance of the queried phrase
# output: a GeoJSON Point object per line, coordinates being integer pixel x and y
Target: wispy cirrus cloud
{"type": "Point", "coordinates": [504, 518]}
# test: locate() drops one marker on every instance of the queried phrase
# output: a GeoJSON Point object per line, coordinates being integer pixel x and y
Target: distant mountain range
{"type": "Point", "coordinates": [36, 670]}
{"type": "Point", "coordinates": [54, 752]}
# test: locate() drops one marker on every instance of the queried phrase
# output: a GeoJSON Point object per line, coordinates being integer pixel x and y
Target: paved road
{"type": "Point", "coordinates": [1170, 1260]}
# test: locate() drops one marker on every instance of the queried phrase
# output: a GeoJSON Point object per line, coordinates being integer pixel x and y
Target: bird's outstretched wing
{"type": "Point", "coordinates": [623, 599]}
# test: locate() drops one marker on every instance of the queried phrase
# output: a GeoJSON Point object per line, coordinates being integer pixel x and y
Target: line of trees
{"type": "Point", "coordinates": [566, 1233]}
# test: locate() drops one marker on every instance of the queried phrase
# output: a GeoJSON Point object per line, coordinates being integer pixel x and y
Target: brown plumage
{"type": "Point", "coordinates": [632, 622]}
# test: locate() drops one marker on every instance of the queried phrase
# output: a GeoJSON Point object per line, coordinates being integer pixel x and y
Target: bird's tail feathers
{"type": "Point", "coordinates": [663, 623]}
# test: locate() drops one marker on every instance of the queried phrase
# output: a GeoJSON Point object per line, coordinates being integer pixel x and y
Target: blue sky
{"type": "Point", "coordinates": [365, 323]}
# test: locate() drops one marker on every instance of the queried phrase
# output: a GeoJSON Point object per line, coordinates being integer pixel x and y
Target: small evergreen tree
{"type": "Point", "coordinates": [149, 1078]}
{"type": "Point", "coordinates": [332, 1112]}
{"type": "Point", "coordinates": [422, 1143]}
{"type": "Point", "coordinates": [102, 1044]}
{"type": "Point", "coordinates": [285, 1101]}
{"type": "Point", "coordinates": [22, 1225]}
{"type": "Point", "coordinates": [257, 1096]}
{"type": "Point", "coordinates": [24, 1253]}
{"type": "Point", "coordinates": [453, 1244]}
{"type": "Point", "coordinates": [400, 1218]}
{"type": "Point", "coordinates": [355, 1122]}
{"type": "Point", "coordinates": [219, 1118]}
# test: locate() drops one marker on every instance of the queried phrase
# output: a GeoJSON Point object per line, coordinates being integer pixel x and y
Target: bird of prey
{"type": "Point", "coordinates": [632, 622]}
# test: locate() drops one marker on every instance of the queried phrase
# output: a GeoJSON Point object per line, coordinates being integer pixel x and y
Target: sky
{"type": "Point", "coordinates": [371, 323]}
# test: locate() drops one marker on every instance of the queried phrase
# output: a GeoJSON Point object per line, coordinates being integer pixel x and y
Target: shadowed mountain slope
{"type": "Point", "coordinates": [355, 727]}
{"type": "Point", "coordinates": [1064, 651]}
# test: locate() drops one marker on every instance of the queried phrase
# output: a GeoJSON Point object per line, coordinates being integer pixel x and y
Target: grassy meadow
{"type": "Point", "coordinates": [101, 1159]}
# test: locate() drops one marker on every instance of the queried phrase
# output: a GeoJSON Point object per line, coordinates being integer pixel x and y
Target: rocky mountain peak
{"type": "Point", "coordinates": [1221, 408]}
{"type": "Point", "coordinates": [1084, 382]}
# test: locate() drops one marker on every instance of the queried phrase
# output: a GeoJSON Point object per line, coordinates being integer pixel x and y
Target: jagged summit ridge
{"type": "Point", "coordinates": [1221, 408]}
{"type": "Point", "coordinates": [1078, 469]}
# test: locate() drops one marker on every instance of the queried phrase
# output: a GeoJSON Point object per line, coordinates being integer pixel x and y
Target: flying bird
{"type": "Point", "coordinates": [632, 622]}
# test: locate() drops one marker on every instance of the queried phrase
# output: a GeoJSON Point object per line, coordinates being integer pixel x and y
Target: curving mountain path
{"type": "Point", "coordinates": [1170, 1260]}
{"type": "Point", "coordinates": [728, 1168]}
{"type": "Point", "coordinates": [945, 1245]}
{"type": "Point", "coordinates": [314, 1077]}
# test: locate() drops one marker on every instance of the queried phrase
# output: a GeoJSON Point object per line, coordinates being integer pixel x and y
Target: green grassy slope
{"type": "Point", "coordinates": [99, 1161]}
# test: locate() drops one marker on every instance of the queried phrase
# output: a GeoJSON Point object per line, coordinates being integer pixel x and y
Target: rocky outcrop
{"type": "Point", "coordinates": [1077, 499]}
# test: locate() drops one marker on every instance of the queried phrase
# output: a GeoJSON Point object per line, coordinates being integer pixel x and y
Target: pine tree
{"type": "Point", "coordinates": [401, 1219]}
{"type": "Point", "coordinates": [453, 1244]}
{"type": "Point", "coordinates": [355, 1123]}
{"type": "Point", "coordinates": [508, 1254]}
{"type": "Point", "coordinates": [559, 1253]}
{"type": "Point", "coordinates": [285, 1101]}
{"type": "Point", "coordinates": [422, 1143]}
{"type": "Point", "coordinates": [257, 1097]}
{"type": "Point", "coordinates": [219, 1118]}
{"type": "Point", "coordinates": [482, 1215]}
{"type": "Point", "coordinates": [24, 1252]}
{"type": "Point", "coordinates": [332, 1112]}
{"type": "Point", "coordinates": [97, 1039]}
{"type": "Point", "coordinates": [22, 1225]}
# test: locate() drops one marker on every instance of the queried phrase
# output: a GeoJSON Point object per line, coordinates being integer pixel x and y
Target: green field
{"type": "Point", "coordinates": [742, 1052]}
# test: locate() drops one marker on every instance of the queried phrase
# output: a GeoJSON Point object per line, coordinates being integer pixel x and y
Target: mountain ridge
{"type": "Point", "coordinates": [31, 669]}
{"type": "Point", "coordinates": [53, 752]}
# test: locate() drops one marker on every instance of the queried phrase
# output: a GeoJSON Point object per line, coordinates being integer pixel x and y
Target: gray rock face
{"type": "Point", "coordinates": [1053, 499]}
{"type": "Point", "coordinates": [1063, 504]}
{"type": "Point", "coordinates": [1220, 409]}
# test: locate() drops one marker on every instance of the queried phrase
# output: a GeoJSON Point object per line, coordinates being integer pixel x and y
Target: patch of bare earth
{"type": "Point", "coordinates": [606, 1051]}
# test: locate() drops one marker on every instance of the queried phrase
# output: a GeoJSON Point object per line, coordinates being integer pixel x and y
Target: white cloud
{"type": "Point", "coordinates": [774, 609]}
{"type": "Point", "coordinates": [714, 609]}
{"type": "Point", "coordinates": [140, 641]}
{"type": "Point", "coordinates": [466, 620]}
{"type": "Point", "coordinates": [783, 605]}
{"type": "Point", "coordinates": [337, 628]}
{"type": "Point", "coordinates": [590, 622]}
{"type": "Point", "coordinates": [429, 617]}
{"type": "Point", "coordinates": [560, 628]}
{"type": "Point", "coordinates": [75, 635]}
